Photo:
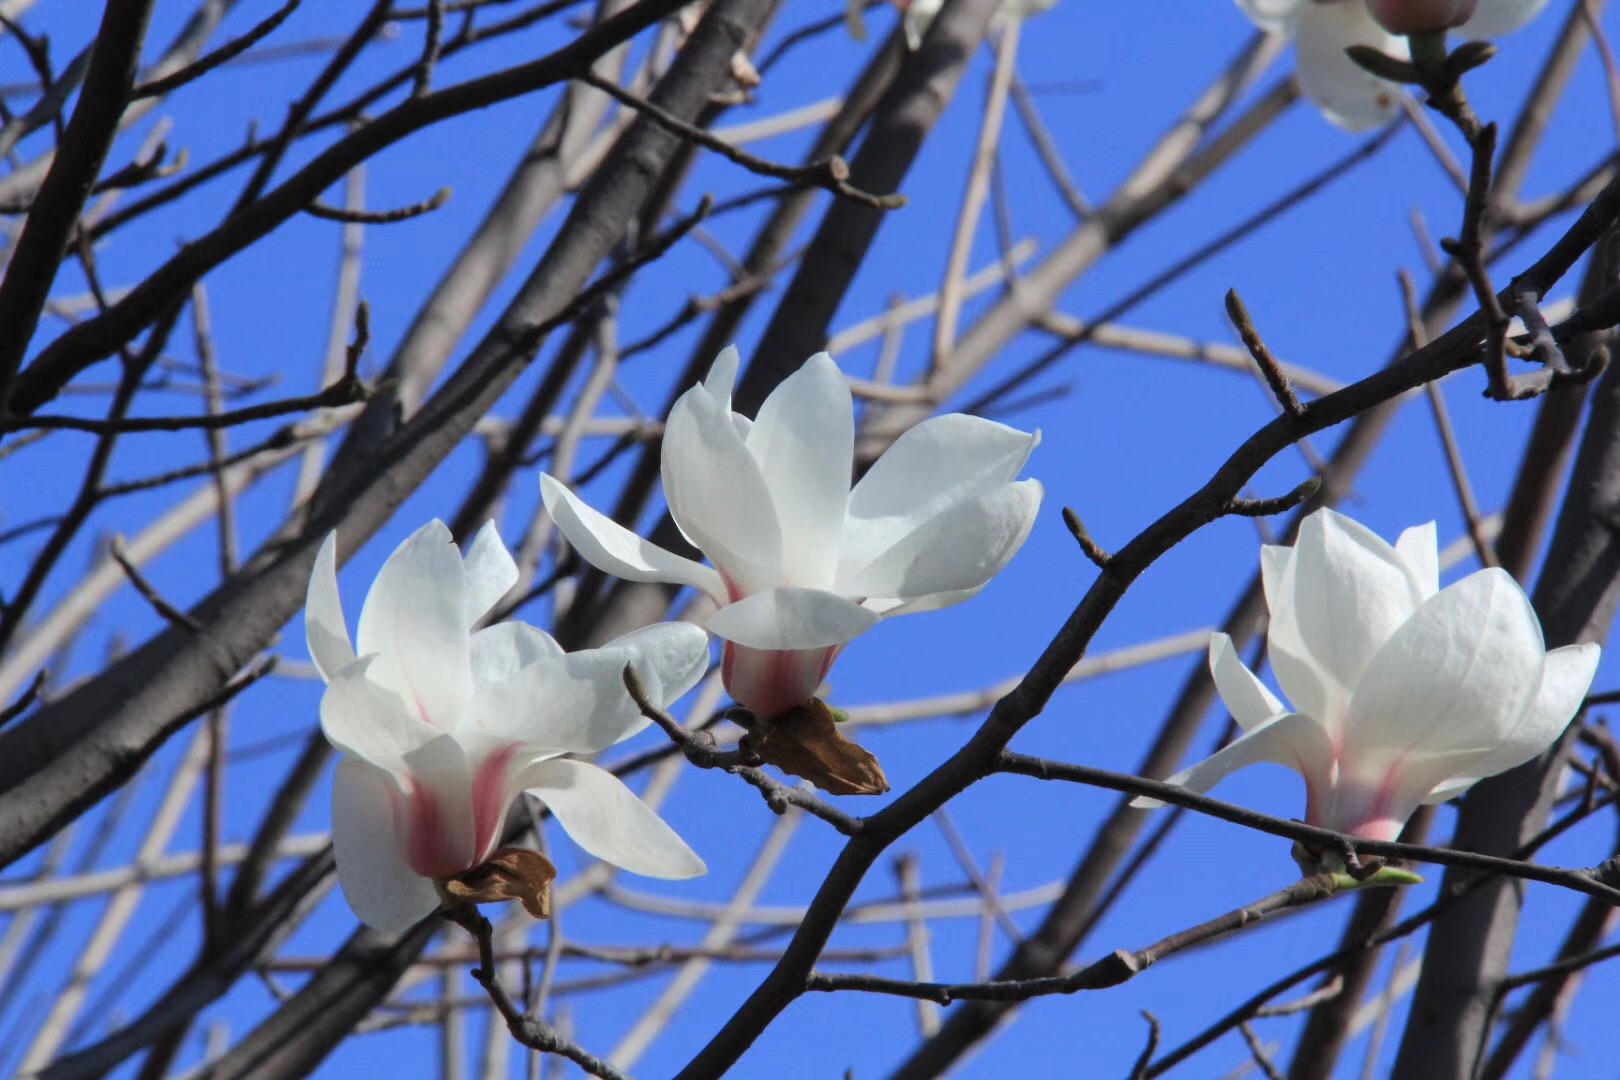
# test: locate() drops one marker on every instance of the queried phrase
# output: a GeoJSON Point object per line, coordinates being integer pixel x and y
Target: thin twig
{"type": "Point", "coordinates": [830, 173]}
{"type": "Point", "coordinates": [1263, 359]}
{"type": "Point", "coordinates": [379, 217]}
{"type": "Point", "coordinates": [700, 749]}
{"type": "Point", "coordinates": [525, 1028]}
{"type": "Point", "coordinates": [222, 55]}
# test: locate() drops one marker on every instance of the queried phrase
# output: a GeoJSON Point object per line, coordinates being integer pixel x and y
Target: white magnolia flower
{"type": "Point", "coordinates": [802, 564]}
{"type": "Point", "coordinates": [441, 727]}
{"type": "Point", "coordinates": [1350, 96]}
{"type": "Point", "coordinates": [1404, 693]}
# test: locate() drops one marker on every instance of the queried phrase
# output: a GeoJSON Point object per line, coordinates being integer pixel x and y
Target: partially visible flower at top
{"type": "Point", "coordinates": [1347, 94]}
{"type": "Point", "coordinates": [1420, 16]}
{"type": "Point", "coordinates": [1403, 693]}
{"type": "Point", "coordinates": [803, 564]}
{"type": "Point", "coordinates": [441, 727]}
{"type": "Point", "coordinates": [918, 15]}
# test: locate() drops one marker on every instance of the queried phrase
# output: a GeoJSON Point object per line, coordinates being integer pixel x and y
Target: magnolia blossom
{"type": "Point", "coordinates": [1349, 95]}
{"type": "Point", "coordinates": [1403, 693]}
{"type": "Point", "coordinates": [802, 564]}
{"type": "Point", "coordinates": [441, 726]}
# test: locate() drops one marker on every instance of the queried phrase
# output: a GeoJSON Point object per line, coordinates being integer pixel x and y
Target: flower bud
{"type": "Point", "coordinates": [1420, 16]}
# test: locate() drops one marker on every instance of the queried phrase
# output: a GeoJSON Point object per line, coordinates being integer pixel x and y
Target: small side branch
{"type": "Point", "coordinates": [222, 55]}
{"type": "Point", "coordinates": [1090, 547]}
{"type": "Point", "coordinates": [378, 217]}
{"type": "Point", "coordinates": [148, 591]}
{"type": "Point", "coordinates": [25, 699]}
{"type": "Point", "coordinates": [1268, 364]}
{"type": "Point", "coordinates": [830, 173]}
{"type": "Point", "coordinates": [526, 1028]}
{"type": "Point", "coordinates": [700, 749]}
{"type": "Point", "coordinates": [1281, 504]}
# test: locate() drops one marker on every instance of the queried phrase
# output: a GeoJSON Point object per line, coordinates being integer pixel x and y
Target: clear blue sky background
{"type": "Point", "coordinates": [1131, 438]}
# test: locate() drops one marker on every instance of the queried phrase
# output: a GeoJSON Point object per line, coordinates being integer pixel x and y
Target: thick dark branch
{"type": "Point", "coordinates": [55, 209]}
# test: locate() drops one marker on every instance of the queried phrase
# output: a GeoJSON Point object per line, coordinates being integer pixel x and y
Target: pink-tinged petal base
{"type": "Point", "coordinates": [770, 682]}
{"type": "Point", "coordinates": [433, 836]}
{"type": "Point", "coordinates": [1374, 806]}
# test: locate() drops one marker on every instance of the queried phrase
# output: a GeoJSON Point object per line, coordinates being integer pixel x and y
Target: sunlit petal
{"type": "Point", "coordinates": [792, 619]}
{"type": "Point", "coordinates": [606, 818]}
{"type": "Point", "coordinates": [804, 443]}
{"type": "Point", "coordinates": [1348, 95]}
{"type": "Point", "coordinates": [415, 622]}
{"type": "Point", "coordinates": [324, 629]}
{"type": "Point", "coordinates": [962, 547]}
{"type": "Point", "coordinates": [490, 572]}
{"type": "Point", "coordinates": [609, 546]}
{"type": "Point", "coordinates": [380, 888]}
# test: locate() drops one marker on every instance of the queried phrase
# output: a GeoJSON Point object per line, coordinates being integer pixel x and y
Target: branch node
{"type": "Point", "coordinates": [1093, 551]}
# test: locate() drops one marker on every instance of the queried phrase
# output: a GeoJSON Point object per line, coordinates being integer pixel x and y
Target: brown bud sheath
{"type": "Point", "coordinates": [509, 874]}
{"type": "Point", "coordinates": [805, 742]}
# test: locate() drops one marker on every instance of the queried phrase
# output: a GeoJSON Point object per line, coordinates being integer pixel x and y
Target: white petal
{"type": "Point", "coordinates": [1249, 700]}
{"type": "Point", "coordinates": [961, 548]}
{"type": "Point", "coordinates": [491, 572]}
{"type": "Point", "coordinates": [1565, 679]}
{"type": "Point", "coordinates": [1294, 740]}
{"type": "Point", "coordinates": [612, 548]}
{"type": "Point", "coordinates": [717, 494]}
{"type": "Point", "coordinates": [804, 443]}
{"type": "Point", "coordinates": [1348, 95]}
{"type": "Point", "coordinates": [930, 467]}
{"type": "Point", "coordinates": [576, 703]}
{"type": "Point", "coordinates": [324, 629]}
{"type": "Point", "coordinates": [1275, 563]}
{"type": "Point", "coordinates": [1351, 592]}
{"type": "Point", "coordinates": [1271, 15]}
{"type": "Point", "coordinates": [1451, 684]}
{"type": "Point", "coordinates": [670, 658]}
{"type": "Point", "coordinates": [439, 807]}
{"type": "Point", "coordinates": [1493, 18]}
{"type": "Point", "coordinates": [415, 620]}
{"type": "Point", "coordinates": [887, 606]}
{"type": "Point", "coordinates": [769, 682]}
{"type": "Point", "coordinates": [1419, 549]}
{"type": "Point", "coordinates": [792, 619]}
{"type": "Point", "coordinates": [606, 819]}
{"type": "Point", "coordinates": [1450, 789]}
{"type": "Point", "coordinates": [499, 651]}
{"type": "Point", "coordinates": [1310, 689]}
{"type": "Point", "coordinates": [723, 376]}
{"type": "Point", "coordinates": [379, 887]}
{"type": "Point", "coordinates": [369, 721]}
